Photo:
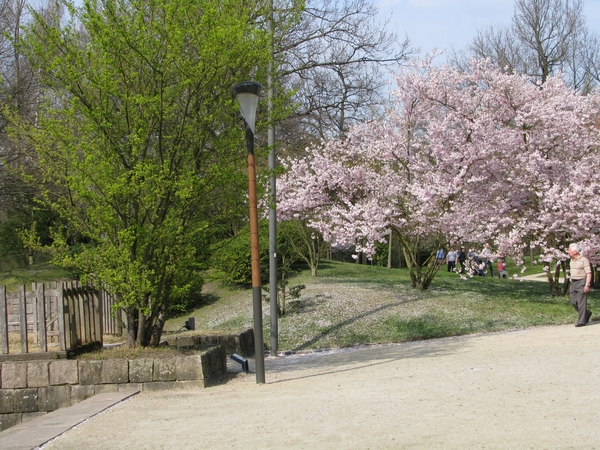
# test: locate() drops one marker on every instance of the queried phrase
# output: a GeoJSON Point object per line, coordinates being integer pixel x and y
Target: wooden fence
{"type": "Point", "coordinates": [66, 315]}
{"type": "Point", "coordinates": [112, 320]}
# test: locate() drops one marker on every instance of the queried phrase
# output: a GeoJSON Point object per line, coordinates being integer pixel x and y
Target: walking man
{"type": "Point", "coordinates": [581, 279]}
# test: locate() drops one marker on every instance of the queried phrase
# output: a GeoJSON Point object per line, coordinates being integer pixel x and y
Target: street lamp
{"type": "Point", "coordinates": [246, 93]}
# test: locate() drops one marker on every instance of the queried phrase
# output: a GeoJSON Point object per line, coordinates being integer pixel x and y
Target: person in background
{"type": "Point", "coordinates": [462, 257]}
{"type": "Point", "coordinates": [502, 272]}
{"type": "Point", "coordinates": [581, 279]}
{"type": "Point", "coordinates": [451, 259]}
{"type": "Point", "coordinates": [472, 254]}
{"type": "Point", "coordinates": [486, 256]}
{"type": "Point", "coordinates": [440, 257]}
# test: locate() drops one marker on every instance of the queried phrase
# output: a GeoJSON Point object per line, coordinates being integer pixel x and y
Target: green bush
{"type": "Point", "coordinates": [188, 297]}
{"type": "Point", "coordinates": [231, 257]}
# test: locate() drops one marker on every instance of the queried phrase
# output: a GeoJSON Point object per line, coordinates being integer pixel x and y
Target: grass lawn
{"type": "Point", "coordinates": [42, 272]}
{"type": "Point", "coordinates": [348, 305]}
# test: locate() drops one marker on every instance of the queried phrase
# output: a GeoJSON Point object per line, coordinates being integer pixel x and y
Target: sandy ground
{"type": "Point", "coordinates": [532, 389]}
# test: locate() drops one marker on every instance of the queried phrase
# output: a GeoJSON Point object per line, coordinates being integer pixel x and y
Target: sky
{"type": "Point", "coordinates": [444, 24]}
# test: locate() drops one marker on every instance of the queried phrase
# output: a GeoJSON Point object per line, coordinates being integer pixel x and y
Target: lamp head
{"type": "Point", "coordinates": [247, 93]}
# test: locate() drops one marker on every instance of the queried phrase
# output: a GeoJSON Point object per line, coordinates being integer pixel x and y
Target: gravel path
{"type": "Point", "coordinates": [534, 389]}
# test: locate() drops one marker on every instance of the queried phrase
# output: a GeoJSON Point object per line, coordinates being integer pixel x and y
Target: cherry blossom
{"type": "Point", "coordinates": [462, 156]}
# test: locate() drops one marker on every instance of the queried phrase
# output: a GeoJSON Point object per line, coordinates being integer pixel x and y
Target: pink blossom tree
{"type": "Point", "coordinates": [526, 159]}
{"type": "Point", "coordinates": [473, 156]}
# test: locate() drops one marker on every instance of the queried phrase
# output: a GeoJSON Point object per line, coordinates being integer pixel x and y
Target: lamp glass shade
{"type": "Point", "coordinates": [248, 105]}
{"type": "Point", "coordinates": [246, 94]}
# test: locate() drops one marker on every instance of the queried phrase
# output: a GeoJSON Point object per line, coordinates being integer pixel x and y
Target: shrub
{"type": "Point", "coordinates": [231, 257]}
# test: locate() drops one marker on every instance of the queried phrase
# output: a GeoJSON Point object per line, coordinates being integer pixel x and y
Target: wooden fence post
{"type": "Point", "coordinates": [83, 327]}
{"type": "Point", "coordinates": [41, 307]}
{"type": "Point", "coordinates": [75, 321]}
{"type": "Point", "coordinates": [23, 319]}
{"type": "Point", "coordinates": [34, 312]}
{"type": "Point", "coordinates": [89, 315]}
{"type": "Point", "coordinates": [107, 321]}
{"type": "Point", "coordinates": [98, 316]}
{"type": "Point", "coordinates": [4, 320]}
{"type": "Point", "coordinates": [65, 324]}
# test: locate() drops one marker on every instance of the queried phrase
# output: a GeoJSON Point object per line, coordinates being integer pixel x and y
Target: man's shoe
{"type": "Point", "coordinates": [587, 316]}
{"type": "Point", "coordinates": [580, 324]}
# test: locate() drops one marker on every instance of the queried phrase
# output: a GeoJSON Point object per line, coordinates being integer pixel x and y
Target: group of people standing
{"type": "Point", "coordinates": [460, 256]}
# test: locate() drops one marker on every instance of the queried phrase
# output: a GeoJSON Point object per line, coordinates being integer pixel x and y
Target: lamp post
{"type": "Point", "coordinates": [246, 93]}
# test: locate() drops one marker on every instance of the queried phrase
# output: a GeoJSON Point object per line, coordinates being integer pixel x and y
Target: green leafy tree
{"type": "Point", "coordinates": [304, 242]}
{"type": "Point", "coordinates": [137, 140]}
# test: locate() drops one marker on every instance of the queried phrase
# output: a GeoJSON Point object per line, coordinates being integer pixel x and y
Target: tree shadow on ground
{"type": "Point", "coordinates": [333, 328]}
{"type": "Point", "coordinates": [357, 358]}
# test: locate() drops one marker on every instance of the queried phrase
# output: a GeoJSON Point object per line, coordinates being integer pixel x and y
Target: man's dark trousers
{"type": "Point", "coordinates": [579, 300]}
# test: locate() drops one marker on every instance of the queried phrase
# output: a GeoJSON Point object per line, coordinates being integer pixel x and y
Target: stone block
{"type": "Point", "coordinates": [246, 339]}
{"type": "Point", "coordinates": [54, 397]}
{"type": "Point", "coordinates": [115, 371]}
{"type": "Point", "coordinates": [63, 371]}
{"type": "Point", "coordinates": [14, 375]}
{"type": "Point", "coordinates": [209, 341]}
{"type": "Point", "coordinates": [206, 364]}
{"type": "Point", "coordinates": [187, 341]}
{"type": "Point", "coordinates": [26, 400]}
{"type": "Point", "coordinates": [222, 355]}
{"type": "Point", "coordinates": [104, 388]}
{"type": "Point", "coordinates": [164, 369]}
{"type": "Point", "coordinates": [7, 401]}
{"type": "Point", "coordinates": [37, 374]}
{"type": "Point", "coordinates": [159, 386]}
{"type": "Point", "coordinates": [141, 370]}
{"type": "Point", "coordinates": [217, 356]}
{"type": "Point", "coordinates": [9, 420]}
{"type": "Point", "coordinates": [188, 368]}
{"type": "Point", "coordinates": [81, 392]}
{"type": "Point", "coordinates": [90, 372]}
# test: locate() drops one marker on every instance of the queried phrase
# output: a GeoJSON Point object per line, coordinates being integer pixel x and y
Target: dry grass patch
{"type": "Point", "coordinates": [124, 352]}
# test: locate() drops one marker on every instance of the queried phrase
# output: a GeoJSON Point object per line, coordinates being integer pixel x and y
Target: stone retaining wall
{"type": "Point", "coordinates": [241, 342]}
{"type": "Point", "coordinates": [29, 389]}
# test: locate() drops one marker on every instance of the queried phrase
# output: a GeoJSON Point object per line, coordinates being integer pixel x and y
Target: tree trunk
{"type": "Point", "coordinates": [553, 283]}
{"type": "Point", "coordinates": [282, 305]}
{"type": "Point", "coordinates": [141, 329]}
{"type": "Point", "coordinates": [157, 329]}
{"type": "Point", "coordinates": [567, 282]}
{"type": "Point", "coordinates": [132, 316]}
{"type": "Point", "coordinates": [389, 262]}
{"type": "Point", "coordinates": [554, 280]}
{"type": "Point", "coordinates": [311, 250]}
{"type": "Point", "coordinates": [421, 275]}
{"type": "Point", "coordinates": [531, 255]}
